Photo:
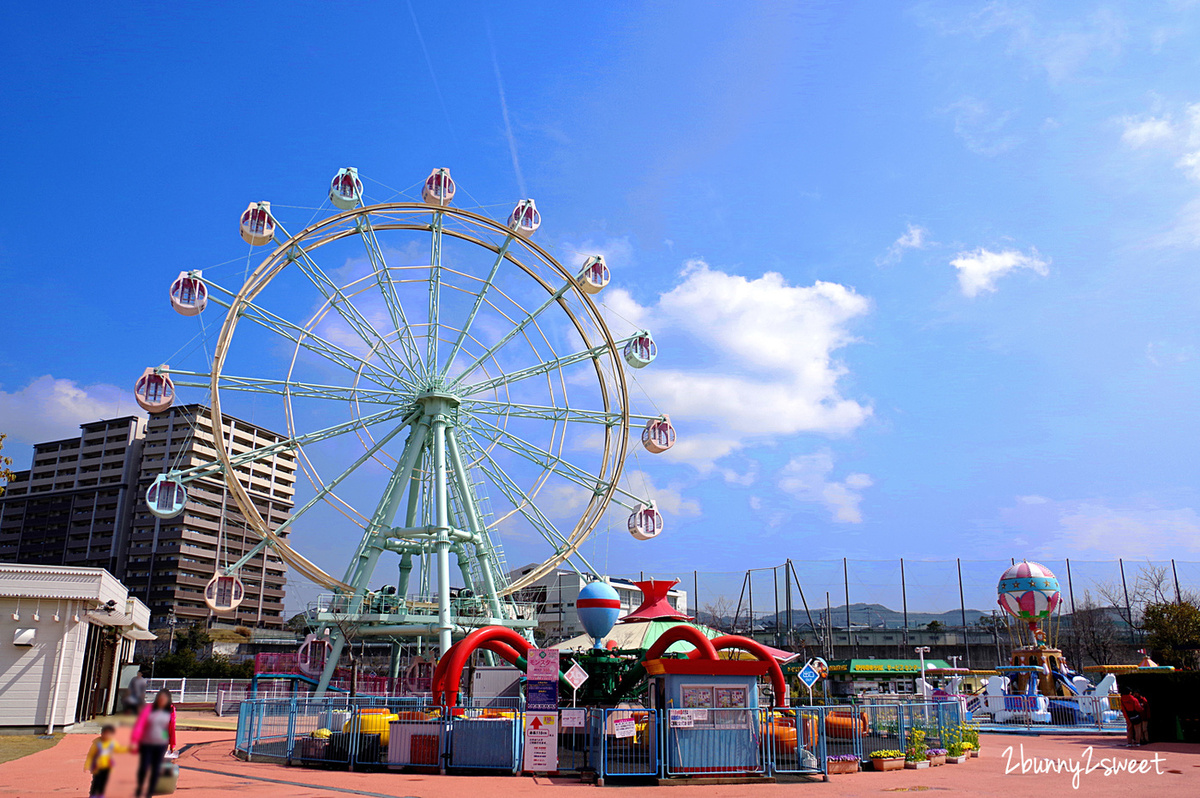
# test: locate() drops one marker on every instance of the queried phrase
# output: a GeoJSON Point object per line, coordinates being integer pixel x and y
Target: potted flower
{"type": "Point", "coordinates": [937, 757]}
{"type": "Point", "coordinates": [844, 763]}
{"type": "Point", "coordinates": [916, 753]}
{"type": "Point", "coordinates": [956, 752]}
{"type": "Point", "coordinates": [887, 759]}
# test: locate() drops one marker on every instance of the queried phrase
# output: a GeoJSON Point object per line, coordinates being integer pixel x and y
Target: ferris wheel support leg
{"type": "Point", "coordinates": [442, 509]}
{"type": "Point", "coordinates": [483, 548]}
{"type": "Point", "coordinates": [363, 564]}
{"type": "Point", "coordinates": [331, 663]}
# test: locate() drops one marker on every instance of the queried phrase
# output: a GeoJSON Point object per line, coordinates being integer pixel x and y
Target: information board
{"type": "Point", "coordinates": [541, 742]}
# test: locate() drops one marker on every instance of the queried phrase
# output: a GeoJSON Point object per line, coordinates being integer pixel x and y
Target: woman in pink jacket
{"type": "Point", "coordinates": [154, 735]}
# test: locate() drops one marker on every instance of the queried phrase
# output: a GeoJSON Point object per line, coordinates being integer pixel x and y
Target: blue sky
{"type": "Point", "coordinates": [924, 275]}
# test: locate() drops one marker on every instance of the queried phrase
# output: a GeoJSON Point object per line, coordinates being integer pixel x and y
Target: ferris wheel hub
{"type": "Point", "coordinates": [435, 401]}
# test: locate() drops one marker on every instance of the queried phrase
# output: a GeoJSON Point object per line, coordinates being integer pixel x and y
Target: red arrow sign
{"type": "Point", "coordinates": [537, 723]}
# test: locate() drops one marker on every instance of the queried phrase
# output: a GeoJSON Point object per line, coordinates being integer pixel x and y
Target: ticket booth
{"type": "Point", "coordinates": [710, 714]}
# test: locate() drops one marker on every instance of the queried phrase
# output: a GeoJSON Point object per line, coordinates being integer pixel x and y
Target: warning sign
{"type": "Point", "coordinates": [680, 718]}
{"type": "Point", "coordinates": [541, 743]}
{"type": "Point", "coordinates": [624, 728]}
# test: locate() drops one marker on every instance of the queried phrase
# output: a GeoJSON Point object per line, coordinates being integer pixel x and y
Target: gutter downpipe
{"type": "Point", "coordinates": [62, 654]}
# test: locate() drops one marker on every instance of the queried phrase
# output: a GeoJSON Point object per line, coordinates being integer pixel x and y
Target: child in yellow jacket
{"type": "Point", "coordinates": [100, 759]}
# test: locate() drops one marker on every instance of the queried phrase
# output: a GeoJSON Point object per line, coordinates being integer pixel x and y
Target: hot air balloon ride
{"type": "Point", "coordinates": [1029, 592]}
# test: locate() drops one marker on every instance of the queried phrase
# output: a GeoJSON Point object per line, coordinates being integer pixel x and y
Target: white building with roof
{"type": "Point", "coordinates": [65, 634]}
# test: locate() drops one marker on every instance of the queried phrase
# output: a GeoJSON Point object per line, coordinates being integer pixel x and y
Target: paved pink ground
{"type": "Point", "coordinates": [209, 771]}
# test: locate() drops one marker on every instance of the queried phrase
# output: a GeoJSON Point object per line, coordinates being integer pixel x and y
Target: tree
{"type": "Point", "coordinates": [298, 623]}
{"type": "Point", "coordinates": [6, 473]}
{"type": "Point", "coordinates": [1093, 633]}
{"type": "Point", "coordinates": [192, 639]}
{"type": "Point", "coordinates": [718, 613]}
{"type": "Point", "coordinates": [1173, 632]}
{"type": "Point", "coordinates": [934, 626]}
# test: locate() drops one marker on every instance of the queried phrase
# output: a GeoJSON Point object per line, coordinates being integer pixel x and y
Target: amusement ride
{"type": "Point", "coordinates": [431, 360]}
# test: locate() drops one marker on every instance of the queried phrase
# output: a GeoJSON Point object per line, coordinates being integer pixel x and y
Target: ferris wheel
{"type": "Point", "coordinates": [444, 381]}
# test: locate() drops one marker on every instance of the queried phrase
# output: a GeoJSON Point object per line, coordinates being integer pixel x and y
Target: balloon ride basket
{"type": "Point", "coordinates": [1045, 659]}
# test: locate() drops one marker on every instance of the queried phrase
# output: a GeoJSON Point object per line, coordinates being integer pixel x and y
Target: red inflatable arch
{"type": "Point", "coordinates": [725, 642]}
{"type": "Point", "coordinates": [448, 675]}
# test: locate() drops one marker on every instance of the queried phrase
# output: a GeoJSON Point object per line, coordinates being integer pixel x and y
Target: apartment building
{"type": "Point", "coordinates": [82, 504]}
{"type": "Point", "coordinates": [170, 561]}
{"type": "Point", "coordinates": [555, 594]}
{"type": "Point", "coordinates": [73, 506]}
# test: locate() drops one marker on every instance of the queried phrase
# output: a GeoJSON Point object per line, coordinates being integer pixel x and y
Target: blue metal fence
{"type": "Point", "coordinates": [395, 733]}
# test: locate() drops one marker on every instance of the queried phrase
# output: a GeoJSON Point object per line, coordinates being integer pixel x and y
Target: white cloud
{"type": "Point", "coordinates": [915, 237]}
{"type": "Point", "coordinates": [759, 359]}
{"type": "Point", "coordinates": [807, 478]}
{"type": "Point", "coordinates": [50, 408]}
{"type": "Point", "coordinates": [978, 271]}
{"type": "Point", "coordinates": [1095, 529]}
{"type": "Point", "coordinates": [1162, 133]}
{"type": "Point", "coordinates": [565, 501]}
{"type": "Point", "coordinates": [1032, 499]}
{"type": "Point", "coordinates": [1146, 131]}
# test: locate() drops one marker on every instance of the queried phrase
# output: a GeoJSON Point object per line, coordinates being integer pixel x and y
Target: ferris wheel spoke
{"type": "Point", "coordinates": [329, 487]}
{"type": "Point", "coordinates": [609, 418]}
{"type": "Point", "coordinates": [290, 388]}
{"type": "Point", "coordinates": [383, 278]}
{"type": "Point", "coordinates": [525, 505]}
{"type": "Point", "coordinates": [501, 254]}
{"type": "Point", "coordinates": [305, 338]}
{"type": "Point", "coordinates": [553, 462]}
{"type": "Point", "coordinates": [435, 290]}
{"type": "Point", "coordinates": [349, 312]}
{"type": "Point", "coordinates": [543, 368]}
{"type": "Point", "coordinates": [290, 444]}
{"type": "Point", "coordinates": [530, 318]}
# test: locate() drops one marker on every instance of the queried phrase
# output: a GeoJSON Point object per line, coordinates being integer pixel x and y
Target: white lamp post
{"type": "Point", "coordinates": [921, 652]}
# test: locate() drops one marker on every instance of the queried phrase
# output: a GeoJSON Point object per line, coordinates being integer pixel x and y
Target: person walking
{"type": "Point", "coordinates": [1131, 708]}
{"type": "Point", "coordinates": [135, 694]}
{"type": "Point", "coordinates": [100, 759]}
{"type": "Point", "coordinates": [154, 736]}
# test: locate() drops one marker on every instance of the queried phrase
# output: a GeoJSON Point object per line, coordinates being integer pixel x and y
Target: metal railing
{"type": "Point", "coordinates": [716, 741]}
{"type": "Point", "coordinates": [379, 732]}
{"type": "Point", "coordinates": [624, 742]}
{"type": "Point", "coordinates": [1049, 713]}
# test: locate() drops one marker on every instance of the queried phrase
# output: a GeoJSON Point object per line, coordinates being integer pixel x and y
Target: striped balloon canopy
{"type": "Point", "coordinates": [1029, 592]}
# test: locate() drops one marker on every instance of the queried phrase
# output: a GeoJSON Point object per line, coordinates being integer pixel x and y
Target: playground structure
{"type": "Point", "coordinates": [451, 370]}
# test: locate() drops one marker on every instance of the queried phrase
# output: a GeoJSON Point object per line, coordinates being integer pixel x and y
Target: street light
{"type": "Point", "coordinates": [921, 652]}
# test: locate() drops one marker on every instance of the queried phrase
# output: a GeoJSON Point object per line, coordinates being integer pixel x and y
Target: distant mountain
{"type": "Point", "coordinates": [861, 615]}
